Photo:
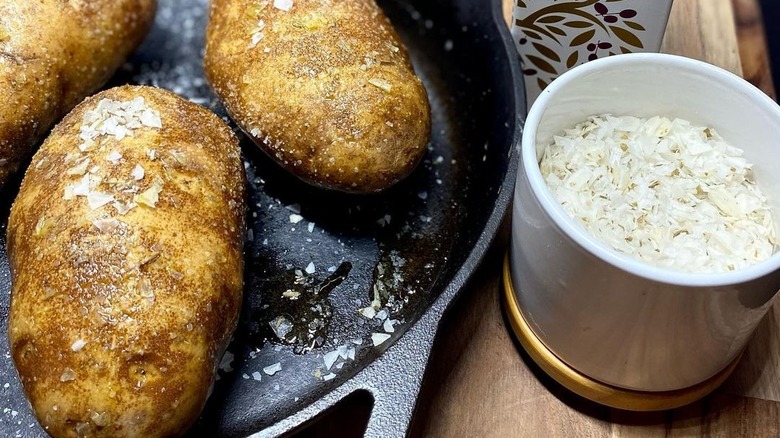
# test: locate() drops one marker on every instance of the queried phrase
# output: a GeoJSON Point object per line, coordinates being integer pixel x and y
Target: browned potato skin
{"type": "Point", "coordinates": [147, 366]}
{"type": "Point", "coordinates": [53, 53]}
{"type": "Point", "coordinates": [303, 92]}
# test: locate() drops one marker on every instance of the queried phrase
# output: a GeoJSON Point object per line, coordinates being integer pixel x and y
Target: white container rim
{"type": "Point", "coordinates": [585, 239]}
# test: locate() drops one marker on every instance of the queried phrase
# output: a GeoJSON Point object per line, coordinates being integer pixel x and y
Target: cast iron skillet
{"type": "Point", "coordinates": [412, 247]}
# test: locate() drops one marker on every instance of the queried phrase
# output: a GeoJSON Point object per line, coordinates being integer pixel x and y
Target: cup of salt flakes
{"type": "Point", "coordinates": [645, 228]}
{"type": "Point", "coordinates": [553, 36]}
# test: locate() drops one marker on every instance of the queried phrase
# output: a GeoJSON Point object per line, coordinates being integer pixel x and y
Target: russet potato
{"type": "Point", "coordinates": [125, 248]}
{"type": "Point", "coordinates": [54, 53]}
{"type": "Point", "coordinates": [325, 87]}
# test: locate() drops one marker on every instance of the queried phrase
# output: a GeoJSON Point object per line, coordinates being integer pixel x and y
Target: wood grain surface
{"type": "Point", "coordinates": [704, 30]}
{"type": "Point", "coordinates": [753, 45]}
{"type": "Point", "coordinates": [481, 384]}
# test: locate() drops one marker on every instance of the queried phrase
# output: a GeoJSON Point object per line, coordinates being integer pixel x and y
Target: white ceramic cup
{"type": "Point", "coordinates": [609, 316]}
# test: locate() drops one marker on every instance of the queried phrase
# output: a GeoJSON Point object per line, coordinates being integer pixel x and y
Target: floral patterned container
{"type": "Point", "coordinates": [553, 36]}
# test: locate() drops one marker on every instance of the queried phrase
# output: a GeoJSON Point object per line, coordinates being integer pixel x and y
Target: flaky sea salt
{"type": "Point", "coordinates": [80, 188]}
{"type": "Point", "coordinates": [138, 172]}
{"type": "Point", "coordinates": [667, 192]}
{"type": "Point", "coordinates": [284, 5]}
{"type": "Point", "coordinates": [109, 118]}
{"type": "Point", "coordinates": [114, 157]}
{"type": "Point", "coordinates": [118, 119]}
{"type": "Point", "coordinates": [257, 36]}
{"type": "Point", "coordinates": [98, 199]}
{"type": "Point", "coordinates": [106, 225]}
{"type": "Point", "coordinates": [273, 369]}
{"type": "Point", "coordinates": [151, 195]}
{"type": "Point", "coordinates": [379, 338]}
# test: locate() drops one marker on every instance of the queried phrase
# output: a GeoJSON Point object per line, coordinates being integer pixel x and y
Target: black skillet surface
{"type": "Point", "coordinates": [412, 247]}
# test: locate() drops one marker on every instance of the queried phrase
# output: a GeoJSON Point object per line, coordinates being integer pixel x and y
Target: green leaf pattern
{"type": "Point", "coordinates": [583, 25]}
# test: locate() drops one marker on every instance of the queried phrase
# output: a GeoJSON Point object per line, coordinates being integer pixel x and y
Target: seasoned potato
{"type": "Point", "coordinates": [323, 86]}
{"type": "Point", "coordinates": [53, 53]}
{"type": "Point", "coordinates": [125, 246]}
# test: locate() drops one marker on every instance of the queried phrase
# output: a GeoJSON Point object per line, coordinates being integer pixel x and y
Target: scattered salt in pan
{"type": "Point", "coordinates": [379, 338]}
{"type": "Point", "coordinates": [667, 192]}
{"type": "Point", "coordinates": [273, 369]}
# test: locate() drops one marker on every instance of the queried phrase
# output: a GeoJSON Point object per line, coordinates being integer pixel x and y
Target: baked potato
{"type": "Point", "coordinates": [125, 248]}
{"type": "Point", "coordinates": [325, 87]}
{"type": "Point", "coordinates": [54, 53]}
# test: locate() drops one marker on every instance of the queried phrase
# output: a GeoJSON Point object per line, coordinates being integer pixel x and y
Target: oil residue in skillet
{"type": "Point", "coordinates": [297, 310]}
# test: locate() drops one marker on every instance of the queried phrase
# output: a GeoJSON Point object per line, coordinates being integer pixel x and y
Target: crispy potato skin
{"type": "Point", "coordinates": [53, 53]}
{"type": "Point", "coordinates": [148, 360]}
{"type": "Point", "coordinates": [307, 92]}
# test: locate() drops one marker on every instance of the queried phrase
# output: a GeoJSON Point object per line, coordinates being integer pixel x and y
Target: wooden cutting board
{"type": "Point", "coordinates": [480, 383]}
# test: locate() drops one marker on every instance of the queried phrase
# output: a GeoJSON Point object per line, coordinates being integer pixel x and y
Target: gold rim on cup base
{"type": "Point", "coordinates": [608, 395]}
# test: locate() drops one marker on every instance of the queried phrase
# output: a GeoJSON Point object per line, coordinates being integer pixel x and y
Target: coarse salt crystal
{"type": "Point", "coordinates": [273, 369]}
{"type": "Point", "coordinates": [67, 375]}
{"type": "Point", "coordinates": [114, 157]}
{"type": "Point", "coordinates": [151, 118]}
{"type": "Point", "coordinates": [225, 363]}
{"type": "Point", "coordinates": [80, 188]}
{"type": "Point", "coordinates": [368, 312]}
{"type": "Point", "coordinates": [284, 5]}
{"type": "Point", "coordinates": [664, 191]}
{"type": "Point", "coordinates": [78, 345]}
{"type": "Point", "coordinates": [291, 294]}
{"type": "Point", "coordinates": [98, 199]}
{"type": "Point", "coordinates": [80, 169]}
{"type": "Point", "coordinates": [124, 208]}
{"type": "Point", "coordinates": [310, 269]}
{"type": "Point", "coordinates": [150, 196]}
{"type": "Point", "coordinates": [106, 225]}
{"type": "Point", "coordinates": [138, 172]}
{"type": "Point", "coordinates": [389, 324]}
{"type": "Point", "coordinates": [379, 338]}
{"type": "Point", "coordinates": [257, 36]}
{"type": "Point", "coordinates": [330, 358]}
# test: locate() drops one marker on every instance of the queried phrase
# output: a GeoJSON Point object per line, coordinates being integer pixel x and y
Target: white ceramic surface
{"type": "Point", "coordinates": [552, 36]}
{"type": "Point", "coordinates": [611, 317]}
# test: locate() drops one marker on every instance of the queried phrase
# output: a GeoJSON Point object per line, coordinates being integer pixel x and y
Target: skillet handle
{"type": "Point", "coordinates": [398, 375]}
